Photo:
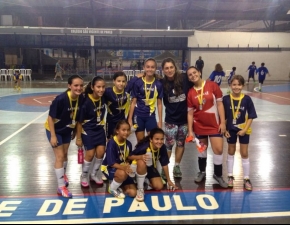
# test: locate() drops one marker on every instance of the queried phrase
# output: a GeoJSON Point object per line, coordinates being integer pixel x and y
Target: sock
{"type": "Point", "coordinates": [230, 162]}
{"type": "Point", "coordinates": [86, 168]}
{"type": "Point", "coordinates": [202, 164]}
{"type": "Point", "coordinates": [140, 180]}
{"type": "Point", "coordinates": [260, 85]}
{"type": "Point", "coordinates": [115, 185]}
{"type": "Point", "coordinates": [246, 168]}
{"type": "Point", "coordinates": [218, 165]}
{"type": "Point", "coordinates": [176, 164]}
{"type": "Point", "coordinates": [96, 166]}
{"type": "Point", "coordinates": [59, 176]}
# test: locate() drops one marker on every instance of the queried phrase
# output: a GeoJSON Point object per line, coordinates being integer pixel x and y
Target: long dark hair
{"type": "Point", "coordinates": [71, 78]}
{"type": "Point", "coordinates": [177, 82]}
{"type": "Point", "coordinates": [91, 84]}
{"type": "Point", "coordinates": [146, 139]}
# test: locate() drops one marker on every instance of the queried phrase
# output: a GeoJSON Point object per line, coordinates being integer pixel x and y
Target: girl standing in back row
{"type": "Point", "coordinates": [146, 92]}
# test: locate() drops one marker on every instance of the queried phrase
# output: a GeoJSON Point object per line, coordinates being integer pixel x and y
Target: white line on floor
{"type": "Point", "coordinates": [22, 128]}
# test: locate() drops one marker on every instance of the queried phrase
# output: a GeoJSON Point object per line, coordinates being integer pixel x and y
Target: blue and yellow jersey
{"type": "Point", "coordinates": [62, 113]}
{"type": "Point", "coordinates": [17, 77]}
{"type": "Point", "coordinates": [246, 111]}
{"type": "Point", "coordinates": [92, 115]}
{"type": "Point", "coordinates": [118, 105]}
{"type": "Point", "coordinates": [146, 96]}
{"type": "Point", "coordinates": [117, 153]}
{"type": "Point", "coordinates": [160, 154]}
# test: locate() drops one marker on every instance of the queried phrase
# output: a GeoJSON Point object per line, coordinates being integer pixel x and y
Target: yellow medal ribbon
{"type": "Point", "coordinates": [147, 92]}
{"type": "Point", "coordinates": [125, 155]}
{"type": "Point", "coordinates": [153, 154]}
{"type": "Point", "coordinates": [200, 97]}
{"type": "Point", "coordinates": [235, 112]}
{"type": "Point", "coordinates": [120, 101]}
{"type": "Point", "coordinates": [98, 111]}
{"type": "Point", "coordinates": [76, 106]}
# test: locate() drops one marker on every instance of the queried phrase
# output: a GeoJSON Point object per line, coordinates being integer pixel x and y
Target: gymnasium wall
{"type": "Point", "coordinates": [239, 49]}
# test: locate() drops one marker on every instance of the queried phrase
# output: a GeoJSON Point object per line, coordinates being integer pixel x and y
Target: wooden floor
{"type": "Point", "coordinates": [28, 183]}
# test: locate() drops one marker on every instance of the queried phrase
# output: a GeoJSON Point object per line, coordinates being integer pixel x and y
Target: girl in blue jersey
{"type": "Point", "coordinates": [175, 89]}
{"type": "Point", "coordinates": [61, 122]}
{"type": "Point", "coordinates": [146, 92]}
{"type": "Point", "coordinates": [217, 75]}
{"type": "Point", "coordinates": [153, 143]}
{"type": "Point", "coordinates": [262, 72]}
{"type": "Point", "coordinates": [239, 113]}
{"type": "Point", "coordinates": [117, 162]}
{"type": "Point", "coordinates": [118, 102]}
{"type": "Point", "coordinates": [252, 70]}
{"type": "Point", "coordinates": [90, 130]}
{"type": "Point", "coordinates": [230, 77]}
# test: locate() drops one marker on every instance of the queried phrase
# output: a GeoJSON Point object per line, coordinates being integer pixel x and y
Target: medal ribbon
{"type": "Point", "coordinates": [153, 154]}
{"type": "Point", "coordinates": [70, 103]}
{"type": "Point", "coordinates": [147, 93]}
{"type": "Point", "coordinates": [200, 97]}
{"type": "Point", "coordinates": [235, 113]}
{"type": "Point", "coordinates": [124, 156]}
{"type": "Point", "coordinates": [120, 101]}
{"type": "Point", "coordinates": [98, 111]}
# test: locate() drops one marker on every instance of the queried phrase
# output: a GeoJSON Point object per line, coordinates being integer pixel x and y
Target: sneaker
{"type": "Point", "coordinates": [66, 182]}
{"type": "Point", "coordinates": [231, 181]}
{"type": "Point", "coordinates": [84, 180]}
{"type": "Point", "coordinates": [260, 89]}
{"type": "Point", "coordinates": [140, 195]}
{"type": "Point", "coordinates": [221, 181]}
{"type": "Point", "coordinates": [63, 191]}
{"type": "Point", "coordinates": [176, 172]}
{"type": "Point", "coordinates": [200, 176]}
{"type": "Point", "coordinates": [104, 178]}
{"type": "Point", "coordinates": [247, 184]}
{"type": "Point", "coordinates": [117, 193]}
{"type": "Point", "coordinates": [96, 179]}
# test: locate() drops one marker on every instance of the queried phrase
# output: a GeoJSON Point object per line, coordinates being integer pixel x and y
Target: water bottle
{"type": "Point", "coordinates": [133, 168]}
{"type": "Point", "coordinates": [80, 156]}
{"type": "Point", "coordinates": [149, 157]}
{"type": "Point", "coordinates": [200, 145]}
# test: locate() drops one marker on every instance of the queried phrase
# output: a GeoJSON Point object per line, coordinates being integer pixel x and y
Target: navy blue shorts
{"type": "Point", "coordinates": [242, 139]}
{"type": "Point", "coordinates": [261, 81]}
{"type": "Point", "coordinates": [92, 141]}
{"type": "Point", "coordinates": [110, 129]}
{"type": "Point", "coordinates": [111, 175]}
{"type": "Point", "coordinates": [146, 123]}
{"type": "Point", "coordinates": [251, 75]}
{"type": "Point", "coordinates": [152, 172]}
{"type": "Point", "coordinates": [61, 138]}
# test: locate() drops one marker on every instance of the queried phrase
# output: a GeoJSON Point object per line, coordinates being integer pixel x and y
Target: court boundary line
{"type": "Point", "coordinates": [22, 128]}
{"type": "Point", "coordinates": [156, 218]}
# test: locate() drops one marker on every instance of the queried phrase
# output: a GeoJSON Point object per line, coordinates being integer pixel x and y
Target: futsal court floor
{"type": "Point", "coordinates": [28, 184]}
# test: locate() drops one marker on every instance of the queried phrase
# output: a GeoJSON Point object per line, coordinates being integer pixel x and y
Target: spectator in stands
{"type": "Point", "coordinates": [58, 70]}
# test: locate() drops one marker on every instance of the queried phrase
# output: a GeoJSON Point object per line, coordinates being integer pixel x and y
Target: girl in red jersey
{"type": "Point", "coordinates": [206, 120]}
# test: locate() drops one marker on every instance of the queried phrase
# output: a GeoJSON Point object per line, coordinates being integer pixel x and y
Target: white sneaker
{"type": "Point", "coordinates": [84, 180]}
{"type": "Point", "coordinates": [140, 195]}
{"type": "Point", "coordinates": [95, 178]}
